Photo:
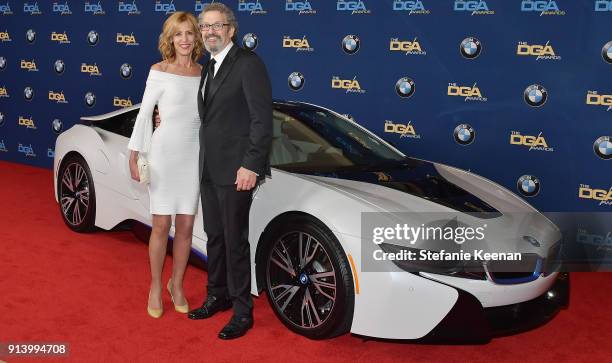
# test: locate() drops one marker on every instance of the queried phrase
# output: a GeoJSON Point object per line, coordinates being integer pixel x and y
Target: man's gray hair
{"type": "Point", "coordinates": [225, 10]}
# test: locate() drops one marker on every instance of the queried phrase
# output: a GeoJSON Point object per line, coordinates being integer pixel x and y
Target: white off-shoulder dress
{"type": "Point", "coordinates": [173, 149]}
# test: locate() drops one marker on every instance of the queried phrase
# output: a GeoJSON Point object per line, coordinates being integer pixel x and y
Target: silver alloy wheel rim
{"type": "Point", "coordinates": [74, 194]}
{"type": "Point", "coordinates": [299, 266]}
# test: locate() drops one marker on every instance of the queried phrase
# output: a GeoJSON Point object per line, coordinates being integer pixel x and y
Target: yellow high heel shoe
{"type": "Point", "coordinates": [154, 313]}
{"type": "Point", "coordinates": [183, 309]}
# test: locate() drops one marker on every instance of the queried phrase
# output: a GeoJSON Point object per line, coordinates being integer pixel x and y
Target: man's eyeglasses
{"type": "Point", "coordinates": [215, 26]}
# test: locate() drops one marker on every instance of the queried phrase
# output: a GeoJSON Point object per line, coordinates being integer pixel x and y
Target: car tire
{"type": "Point", "coordinates": [311, 291]}
{"type": "Point", "coordinates": [76, 194]}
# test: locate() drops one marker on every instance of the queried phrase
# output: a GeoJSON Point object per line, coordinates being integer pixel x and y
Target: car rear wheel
{"type": "Point", "coordinates": [308, 278]}
{"type": "Point", "coordinates": [76, 193]}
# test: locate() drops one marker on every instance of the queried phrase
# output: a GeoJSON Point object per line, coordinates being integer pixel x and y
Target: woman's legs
{"type": "Point", "coordinates": [158, 243]}
{"type": "Point", "coordinates": [180, 252]}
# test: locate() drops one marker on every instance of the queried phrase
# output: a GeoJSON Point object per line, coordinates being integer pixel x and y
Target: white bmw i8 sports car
{"type": "Point", "coordinates": [308, 251]}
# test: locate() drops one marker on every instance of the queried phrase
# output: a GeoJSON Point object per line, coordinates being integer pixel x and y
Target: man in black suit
{"type": "Point", "coordinates": [235, 106]}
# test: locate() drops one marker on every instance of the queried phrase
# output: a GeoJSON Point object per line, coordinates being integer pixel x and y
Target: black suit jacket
{"type": "Point", "coordinates": [236, 125]}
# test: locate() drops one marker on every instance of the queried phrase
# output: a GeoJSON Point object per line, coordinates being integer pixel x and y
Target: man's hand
{"type": "Point", "coordinates": [156, 118]}
{"type": "Point", "coordinates": [245, 179]}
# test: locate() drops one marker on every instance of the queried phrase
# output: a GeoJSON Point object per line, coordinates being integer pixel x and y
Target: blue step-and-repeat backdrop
{"type": "Point", "coordinates": [519, 91]}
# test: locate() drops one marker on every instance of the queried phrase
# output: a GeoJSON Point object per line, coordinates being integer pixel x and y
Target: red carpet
{"type": "Point", "coordinates": [90, 290]}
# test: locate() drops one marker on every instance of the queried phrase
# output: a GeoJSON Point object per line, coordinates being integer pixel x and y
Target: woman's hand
{"type": "Point", "coordinates": [134, 165]}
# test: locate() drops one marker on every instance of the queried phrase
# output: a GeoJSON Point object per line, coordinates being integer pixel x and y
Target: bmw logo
{"type": "Point", "coordinates": [296, 81]}
{"type": "Point", "coordinates": [31, 36]}
{"type": "Point", "coordinates": [470, 48]}
{"type": "Point", "coordinates": [405, 87]}
{"type": "Point", "coordinates": [603, 147]}
{"type": "Point", "coordinates": [125, 71]}
{"type": "Point", "coordinates": [59, 66]}
{"type": "Point", "coordinates": [303, 278]}
{"type": "Point", "coordinates": [528, 185]}
{"type": "Point", "coordinates": [249, 41]}
{"type": "Point", "coordinates": [350, 44]}
{"type": "Point", "coordinates": [57, 125]}
{"type": "Point", "coordinates": [606, 52]}
{"type": "Point", "coordinates": [535, 95]}
{"type": "Point", "coordinates": [28, 93]}
{"type": "Point", "coordinates": [1, 119]}
{"type": "Point", "coordinates": [90, 99]}
{"type": "Point", "coordinates": [2, 63]}
{"type": "Point", "coordinates": [464, 134]}
{"type": "Point", "coordinates": [93, 37]}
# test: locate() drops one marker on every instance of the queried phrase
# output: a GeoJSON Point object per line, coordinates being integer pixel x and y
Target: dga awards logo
{"type": "Point", "coordinates": [411, 6]}
{"type": "Point", "coordinates": [5, 37]}
{"type": "Point", "coordinates": [57, 126]}
{"type": "Point", "coordinates": [4, 92]}
{"type": "Point", "coordinates": [407, 47]}
{"type": "Point", "coordinates": [603, 196]}
{"type": "Point", "coordinates": [251, 7]}
{"type": "Point", "coordinates": [28, 93]}
{"type": "Point", "coordinates": [125, 71]}
{"type": "Point", "coordinates": [91, 69]}
{"type": "Point", "coordinates": [537, 143]}
{"type": "Point", "coordinates": [62, 9]}
{"type": "Point", "coordinates": [2, 146]}
{"type": "Point", "coordinates": [404, 130]}
{"type": "Point", "coordinates": [603, 147]}
{"type": "Point", "coordinates": [26, 150]}
{"type": "Point", "coordinates": [543, 7]}
{"type": "Point", "coordinates": [93, 38]}
{"type": "Point", "coordinates": [200, 5]}
{"type": "Point", "coordinates": [354, 7]}
{"type": "Point", "coordinates": [31, 36]}
{"type": "Point", "coordinates": [300, 7]}
{"type": "Point", "coordinates": [126, 39]}
{"type": "Point", "coordinates": [300, 45]}
{"type": "Point", "coordinates": [475, 7]}
{"type": "Point", "coordinates": [470, 48]}
{"type": "Point", "coordinates": [593, 98]}
{"type": "Point", "coordinates": [30, 66]}
{"type": "Point", "coordinates": [528, 185]}
{"type": "Point", "coordinates": [469, 93]}
{"type": "Point", "coordinates": [603, 5]}
{"type": "Point", "coordinates": [31, 9]}
{"type": "Point", "coordinates": [129, 8]}
{"type": "Point", "coordinates": [540, 51]}
{"type": "Point", "coordinates": [405, 87]}
{"type": "Point", "coordinates": [535, 95]}
{"type": "Point", "coordinates": [349, 85]}
{"type": "Point", "coordinates": [296, 81]}
{"type": "Point", "coordinates": [93, 8]}
{"type": "Point", "coordinates": [165, 7]}
{"type": "Point", "coordinates": [122, 102]}
{"type": "Point", "coordinates": [90, 99]}
{"type": "Point", "coordinates": [27, 122]}
{"type": "Point", "coordinates": [59, 66]}
{"type": "Point", "coordinates": [250, 41]}
{"type": "Point", "coordinates": [606, 52]}
{"type": "Point", "coordinates": [6, 9]}
{"type": "Point", "coordinates": [57, 97]}
{"type": "Point", "coordinates": [61, 38]}
{"type": "Point", "coordinates": [464, 134]}
{"type": "Point", "coordinates": [351, 44]}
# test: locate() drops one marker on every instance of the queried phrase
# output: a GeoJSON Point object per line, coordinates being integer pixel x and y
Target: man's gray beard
{"type": "Point", "coordinates": [213, 49]}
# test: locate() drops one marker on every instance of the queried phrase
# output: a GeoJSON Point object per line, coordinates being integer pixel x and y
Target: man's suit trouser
{"type": "Point", "coordinates": [226, 223]}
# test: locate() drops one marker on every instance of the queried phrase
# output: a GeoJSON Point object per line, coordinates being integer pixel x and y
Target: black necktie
{"type": "Point", "coordinates": [210, 74]}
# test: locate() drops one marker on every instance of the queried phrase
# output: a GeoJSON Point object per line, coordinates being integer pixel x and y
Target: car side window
{"type": "Point", "coordinates": [122, 124]}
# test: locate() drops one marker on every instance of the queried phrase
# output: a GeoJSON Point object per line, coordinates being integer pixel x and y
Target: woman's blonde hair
{"type": "Point", "coordinates": [165, 46]}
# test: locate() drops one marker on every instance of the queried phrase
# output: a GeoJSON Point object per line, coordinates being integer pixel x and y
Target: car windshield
{"type": "Point", "coordinates": [310, 138]}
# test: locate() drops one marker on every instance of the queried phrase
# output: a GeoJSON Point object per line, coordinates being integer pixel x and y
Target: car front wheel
{"type": "Point", "coordinates": [76, 193]}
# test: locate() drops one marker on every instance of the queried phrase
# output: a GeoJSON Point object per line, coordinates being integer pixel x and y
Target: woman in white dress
{"type": "Point", "coordinates": [172, 153]}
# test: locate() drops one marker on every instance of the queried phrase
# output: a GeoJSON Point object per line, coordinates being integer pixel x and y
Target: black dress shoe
{"type": "Point", "coordinates": [237, 327]}
{"type": "Point", "coordinates": [211, 306]}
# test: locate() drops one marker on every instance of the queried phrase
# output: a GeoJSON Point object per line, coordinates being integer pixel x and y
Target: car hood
{"type": "Point", "coordinates": [431, 183]}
